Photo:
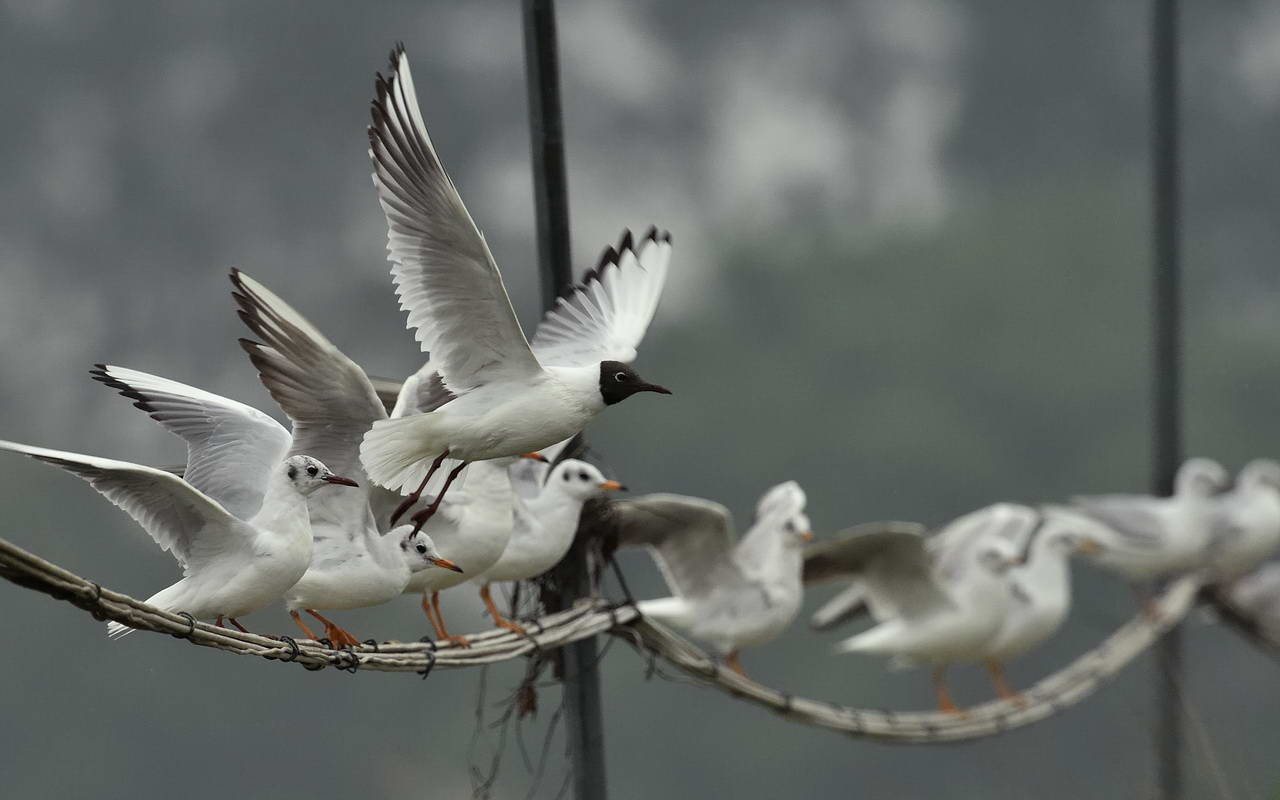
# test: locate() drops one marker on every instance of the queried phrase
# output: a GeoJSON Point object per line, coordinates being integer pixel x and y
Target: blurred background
{"type": "Point", "coordinates": [911, 272]}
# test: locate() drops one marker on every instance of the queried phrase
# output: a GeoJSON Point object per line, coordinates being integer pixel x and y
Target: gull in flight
{"type": "Point", "coordinates": [499, 396]}
{"type": "Point", "coordinates": [938, 600]}
{"type": "Point", "coordinates": [237, 524]}
{"type": "Point", "coordinates": [728, 594]}
{"type": "Point", "coordinates": [330, 403]}
{"type": "Point", "coordinates": [546, 519]}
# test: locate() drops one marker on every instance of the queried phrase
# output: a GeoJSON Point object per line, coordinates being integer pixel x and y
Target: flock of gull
{"type": "Point", "coordinates": [465, 479]}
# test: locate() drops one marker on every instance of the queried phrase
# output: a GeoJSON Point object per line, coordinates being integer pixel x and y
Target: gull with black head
{"type": "Point", "coordinates": [499, 396]}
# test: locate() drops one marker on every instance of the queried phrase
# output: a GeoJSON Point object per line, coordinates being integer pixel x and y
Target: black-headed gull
{"type": "Point", "coordinates": [1247, 527]}
{"type": "Point", "coordinates": [936, 605]}
{"type": "Point", "coordinates": [1146, 537]}
{"type": "Point", "coordinates": [546, 519]}
{"type": "Point", "coordinates": [504, 398]}
{"type": "Point", "coordinates": [232, 566]}
{"type": "Point", "coordinates": [331, 403]}
{"type": "Point", "coordinates": [728, 594]}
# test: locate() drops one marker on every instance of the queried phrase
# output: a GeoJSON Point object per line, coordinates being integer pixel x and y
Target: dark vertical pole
{"type": "Point", "coordinates": [1167, 359]}
{"type": "Point", "coordinates": [581, 678]}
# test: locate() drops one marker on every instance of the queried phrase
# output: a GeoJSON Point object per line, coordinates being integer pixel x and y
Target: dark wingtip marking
{"type": "Point", "coordinates": [141, 401]}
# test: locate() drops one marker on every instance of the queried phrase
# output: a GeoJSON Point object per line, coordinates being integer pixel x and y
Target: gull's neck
{"type": "Point", "coordinates": [283, 506]}
{"type": "Point", "coordinates": [583, 384]}
{"type": "Point", "coordinates": [764, 554]}
{"type": "Point", "coordinates": [1046, 575]}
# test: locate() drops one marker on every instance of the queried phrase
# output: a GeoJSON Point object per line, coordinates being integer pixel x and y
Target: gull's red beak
{"type": "Point", "coordinates": [807, 536]}
{"type": "Point", "coordinates": [446, 563]}
{"type": "Point", "coordinates": [340, 481]}
{"type": "Point", "coordinates": [535, 457]}
{"type": "Point", "coordinates": [653, 387]}
{"type": "Point", "coordinates": [613, 486]}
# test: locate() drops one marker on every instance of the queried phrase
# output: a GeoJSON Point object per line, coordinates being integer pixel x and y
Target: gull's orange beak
{"type": "Point", "coordinates": [807, 536]}
{"type": "Point", "coordinates": [613, 486]}
{"type": "Point", "coordinates": [446, 563]}
{"type": "Point", "coordinates": [535, 457]}
{"type": "Point", "coordinates": [340, 481]}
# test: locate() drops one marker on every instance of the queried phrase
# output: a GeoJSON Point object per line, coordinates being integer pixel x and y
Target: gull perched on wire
{"type": "Point", "coordinates": [1040, 585]}
{"type": "Point", "coordinates": [237, 524]}
{"type": "Point", "coordinates": [938, 600]}
{"type": "Point", "coordinates": [728, 594]}
{"type": "Point", "coordinates": [472, 527]}
{"type": "Point", "coordinates": [330, 404]}
{"type": "Point", "coordinates": [546, 519]}
{"type": "Point", "coordinates": [1145, 537]}
{"type": "Point", "coordinates": [1247, 527]}
{"type": "Point", "coordinates": [503, 398]}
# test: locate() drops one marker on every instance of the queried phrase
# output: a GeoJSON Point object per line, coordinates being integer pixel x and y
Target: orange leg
{"type": "Point", "coordinates": [236, 622]}
{"type": "Point", "coordinates": [498, 620]}
{"type": "Point", "coordinates": [338, 636]}
{"type": "Point", "coordinates": [1002, 686]}
{"type": "Point", "coordinates": [303, 625]}
{"type": "Point", "coordinates": [945, 703]}
{"type": "Point", "coordinates": [431, 605]}
{"type": "Point", "coordinates": [218, 622]}
{"type": "Point", "coordinates": [409, 501]}
{"type": "Point", "coordinates": [734, 664]}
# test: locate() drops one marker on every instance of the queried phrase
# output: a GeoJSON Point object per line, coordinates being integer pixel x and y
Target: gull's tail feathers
{"type": "Point", "coordinates": [396, 453]}
{"type": "Point", "coordinates": [116, 630]}
{"type": "Point", "coordinates": [671, 610]}
{"type": "Point", "coordinates": [843, 607]}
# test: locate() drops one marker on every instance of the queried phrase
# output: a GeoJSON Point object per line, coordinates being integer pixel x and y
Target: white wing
{"type": "Point", "coordinates": [421, 392]}
{"type": "Point", "coordinates": [327, 395]}
{"type": "Point", "coordinates": [605, 317]}
{"type": "Point", "coordinates": [444, 273]}
{"type": "Point", "coordinates": [181, 520]}
{"type": "Point", "coordinates": [231, 447]}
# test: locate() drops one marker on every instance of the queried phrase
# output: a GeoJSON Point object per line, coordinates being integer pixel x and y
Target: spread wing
{"type": "Point", "coordinates": [1007, 526]}
{"type": "Point", "coordinates": [691, 538]}
{"type": "Point", "coordinates": [605, 317]}
{"type": "Point", "coordinates": [444, 273]}
{"type": "Point", "coordinates": [1133, 517]}
{"type": "Point", "coordinates": [327, 395]}
{"type": "Point", "coordinates": [891, 561]}
{"type": "Point", "coordinates": [180, 519]}
{"type": "Point", "coordinates": [231, 447]}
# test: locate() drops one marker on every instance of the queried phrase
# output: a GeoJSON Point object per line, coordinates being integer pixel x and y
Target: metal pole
{"type": "Point", "coordinates": [580, 676]}
{"type": "Point", "coordinates": [1167, 360]}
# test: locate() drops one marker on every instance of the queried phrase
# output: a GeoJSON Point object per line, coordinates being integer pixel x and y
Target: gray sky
{"type": "Point", "coordinates": [910, 273]}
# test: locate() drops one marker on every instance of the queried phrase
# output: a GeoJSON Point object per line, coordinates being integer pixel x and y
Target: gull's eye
{"type": "Point", "coordinates": [422, 548]}
{"type": "Point", "coordinates": [621, 377]}
{"type": "Point", "coordinates": [582, 476]}
{"type": "Point", "coordinates": [313, 471]}
{"type": "Point", "coordinates": [790, 526]}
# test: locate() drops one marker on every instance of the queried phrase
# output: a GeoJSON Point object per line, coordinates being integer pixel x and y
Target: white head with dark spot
{"type": "Point", "coordinates": [785, 503]}
{"type": "Point", "coordinates": [1201, 477]}
{"type": "Point", "coordinates": [619, 381]}
{"type": "Point", "coordinates": [580, 480]}
{"type": "Point", "coordinates": [420, 552]}
{"type": "Point", "coordinates": [1259, 474]}
{"type": "Point", "coordinates": [308, 474]}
